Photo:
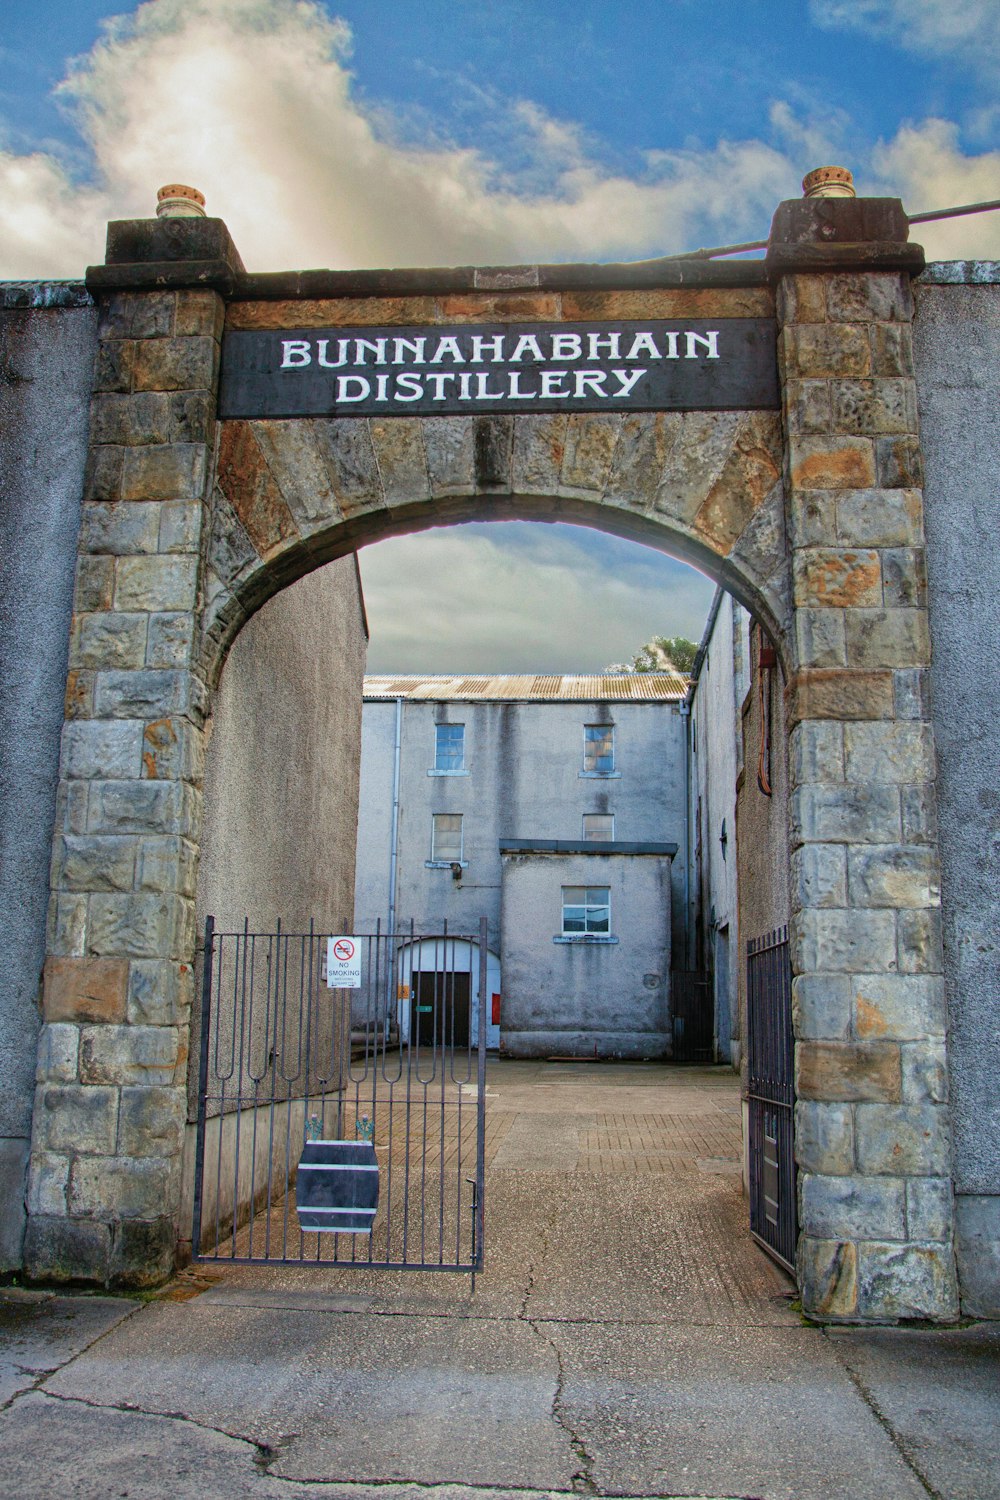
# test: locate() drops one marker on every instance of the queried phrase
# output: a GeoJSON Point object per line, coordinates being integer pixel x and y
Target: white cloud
{"type": "Point", "coordinates": [965, 29]}
{"type": "Point", "coordinates": [522, 597]}
{"type": "Point", "coordinates": [924, 165]}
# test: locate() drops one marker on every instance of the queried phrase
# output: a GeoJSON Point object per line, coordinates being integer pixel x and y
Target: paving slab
{"type": "Point", "coordinates": [40, 1331]}
{"type": "Point", "coordinates": [939, 1392]}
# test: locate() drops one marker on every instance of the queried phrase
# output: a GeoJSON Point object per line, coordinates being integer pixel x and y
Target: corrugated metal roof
{"type": "Point", "coordinates": [636, 687]}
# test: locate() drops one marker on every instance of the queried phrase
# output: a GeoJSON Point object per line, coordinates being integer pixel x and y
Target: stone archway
{"type": "Point", "coordinates": [813, 519]}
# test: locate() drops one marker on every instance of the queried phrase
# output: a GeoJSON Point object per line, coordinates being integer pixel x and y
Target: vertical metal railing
{"type": "Point", "coordinates": [284, 1061]}
{"type": "Point", "coordinates": [771, 1095]}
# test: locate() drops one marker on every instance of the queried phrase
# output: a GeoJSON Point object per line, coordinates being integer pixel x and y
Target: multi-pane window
{"type": "Point", "coordinates": [446, 836]}
{"type": "Point", "coordinates": [586, 909]}
{"type": "Point", "coordinates": [599, 748]}
{"type": "Point", "coordinates": [598, 827]}
{"type": "Point", "coordinates": [449, 747]}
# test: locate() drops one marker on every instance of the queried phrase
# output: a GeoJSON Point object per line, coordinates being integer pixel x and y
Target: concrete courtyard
{"type": "Point", "coordinates": [627, 1338]}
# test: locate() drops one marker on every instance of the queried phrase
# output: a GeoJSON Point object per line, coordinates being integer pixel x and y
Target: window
{"type": "Point", "coordinates": [586, 909]}
{"type": "Point", "coordinates": [599, 749]}
{"type": "Point", "coordinates": [446, 837]}
{"type": "Point", "coordinates": [449, 748]}
{"type": "Point", "coordinates": [598, 827]}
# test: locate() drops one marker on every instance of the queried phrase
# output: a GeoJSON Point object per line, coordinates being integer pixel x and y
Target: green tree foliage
{"type": "Point", "coordinates": [664, 653]}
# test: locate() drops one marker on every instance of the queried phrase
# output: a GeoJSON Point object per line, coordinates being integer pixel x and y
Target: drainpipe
{"type": "Point", "coordinates": [394, 861]}
{"type": "Point", "coordinates": [685, 712]}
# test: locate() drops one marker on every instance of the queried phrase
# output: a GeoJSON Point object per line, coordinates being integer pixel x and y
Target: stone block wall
{"type": "Point", "coordinates": [872, 1119]}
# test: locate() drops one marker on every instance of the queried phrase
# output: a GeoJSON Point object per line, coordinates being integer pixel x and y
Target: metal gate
{"type": "Point", "coordinates": [770, 1091]}
{"type": "Point", "coordinates": [341, 1126]}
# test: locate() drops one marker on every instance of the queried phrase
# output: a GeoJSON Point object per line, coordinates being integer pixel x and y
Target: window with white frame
{"type": "Point", "coordinates": [598, 828]}
{"type": "Point", "coordinates": [446, 837]}
{"type": "Point", "coordinates": [449, 748]}
{"type": "Point", "coordinates": [599, 749]}
{"type": "Point", "coordinates": [586, 909]}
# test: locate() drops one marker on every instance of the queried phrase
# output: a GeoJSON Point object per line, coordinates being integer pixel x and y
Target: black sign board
{"type": "Point", "coordinates": [719, 365]}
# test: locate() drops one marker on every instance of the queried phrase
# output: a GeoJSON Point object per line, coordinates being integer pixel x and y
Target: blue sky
{"type": "Point", "coordinates": [382, 132]}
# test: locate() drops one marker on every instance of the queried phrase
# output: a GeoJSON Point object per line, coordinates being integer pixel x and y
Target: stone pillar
{"type": "Point", "coordinates": [111, 1099]}
{"type": "Point", "coordinates": [872, 1120]}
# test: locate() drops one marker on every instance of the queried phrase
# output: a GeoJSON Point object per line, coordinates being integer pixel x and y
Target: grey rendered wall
{"type": "Point", "coordinates": [957, 351]}
{"type": "Point", "coordinates": [586, 999]}
{"type": "Point", "coordinates": [281, 773]}
{"type": "Point", "coordinates": [523, 782]}
{"type": "Point", "coordinates": [47, 343]}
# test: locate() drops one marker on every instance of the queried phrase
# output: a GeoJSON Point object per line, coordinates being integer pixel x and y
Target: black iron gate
{"type": "Point", "coordinates": [342, 1126]}
{"type": "Point", "coordinates": [770, 1091]}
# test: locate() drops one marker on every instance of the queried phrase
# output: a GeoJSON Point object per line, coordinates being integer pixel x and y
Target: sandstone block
{"type": "Point", "coordinates": [449, 451]}
{"type": "Point", "coordinates": [113, 366]}
{"type": "Point", "coordinates": [869, 297]}
{"type": "Point", "coordinates": [108, 639]}
{"type": "Point", "coordinates": [819, 875]}
{"type": "Point", "coordinates": [136, 807]}
{"type": "Point", "coordinates": [879, 518]}
{"type": "Point", "coordinates": [851, 814]}
{"type": "Point", "coordinates": [930, 1208]}
{"type": "Point", "coordinates": [67, 925]}
{"type": "Point", "coordinates": [151, 314]}
{"type": "Point", "coordinates": [156, 583]}
{"type": "Point", "coordinates": [180, 526]}
{"type": "Point", "coordinates": [199, 313]}
{"type": "Point", "coordinates": [925, 1072]}
{"type": "Point", "coordinates": [538, 453]}
{"type": "Point", "coordinates": [918, 805]}
{"type": "Point", "coordinates": [888, 638]}
{"type": "Point", "coordinates": [821, 1006]}
{"type": "Point", "coordinates": [141, 695]}
{"type": "Point", "coordinates": [899, 462]}
{"type": "Point", "coordinates": [838, 578]}
{"type": "Point", "coordinates": [108, 1188]}
{"type": "Point", "coordinates": [807, 405]}
{"type": "Point", "coordinates": [816, 752]}
{"type": "Point", "coordinates": [904, 578]}
{"type": "Point", "coordinates": [94, 748]}
{"type": "Point", "coordinates": [48, 1182]}
{"type": "Point", "coordinates": [71, 1118]}
{"type": "Point", "coordinates": [160, 992]}
{"type": "Point", "coordinates": [230, 551]}
{"type": "Point", "coordinates": [831, 941]}
{"type": "Point", "coordinates": [345, 445]}
{"type": "Point", "coordinates": [849, 1072]}
{"type": "Point", "coordinates": [95, 862]}
{"type": "Point", "coordinates": [812, 518]}
{"type": "Point", "coordinates": [144, 1252]}
{"type": "Point", "coordinates": [801, 299]}
{"type": "Point", "coordinates": [58, 1249]}
{"type": "Point", "coordinates": [870, 406]}
{"type": "Point", "coordinates": [95, 583]}
{"type": "Point", "coordinates": [399, 451]}
{"type": "Point", "coordinates": [912, 1281]}
{"type": "Point", "coordinates": [889, 752]}
{"type": "Point", "coordinates": [176, 364]}
{"type": "Point", "coordinates": [918, 941]}
{"type": "Point", "coordinates": [827, 1277]}
{"type": "Point", "coordinates": [128, 1055]}
{"type": "Point", "coordinates": [173, 749]}
{"type": "Point", "coordinates": [58, 1051]}
{"type": "Point", "coordinates": [665, 302]}
{"type": "Point", "coordinates": [831, 463]}
{"type": "Point", "coordinates": [589, 447]}
{"type": "Point", "coordinates": [824, 1138]}
{"type": "Point", "coordinates": [820, 638]}
{"type": "Point", "coordinates": [164, 471]}
{"type": "Point", "coordinates": [912, 692]}
{"type": "Point", "coordinates": [120, 530]}
{"type": "Point", "coordinates": [251, 489]}
{"type": "Point", "coordinates": [102, 474]}
{"type": "Point", "coordinates": [337, 312]}
{"type": "Point", "coordinates": [882, 875]}
{"type": "Point", "coordinates": [168, 640]}
{"type": "Point", "coordinates": [892, 349]}
{"type": "Point", "coordinates": [902, 1140]}
{"type": "Point", "coordinates": [148, 925]}
{"type": "Point", "coordinates": [864, 1208]}
{"type": "Point", "coordinates": [79, 701]}
{"type": "Point", "coordinates": [71, 806]}
{"type": "Point", "coordinates": [167, 863]}
{"type": "Point", "coordinates": [151, 1122]}
{"type": "Point", "coordinates": [824, 350]}
{"type": "Point", "coordinates": [899, 1007]}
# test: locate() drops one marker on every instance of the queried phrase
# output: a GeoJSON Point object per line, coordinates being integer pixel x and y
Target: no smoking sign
{"type": "Point", "coordinates": [343, 963]}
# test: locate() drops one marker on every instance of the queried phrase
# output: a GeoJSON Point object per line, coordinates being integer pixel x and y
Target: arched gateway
{"type": "Point", "coordinates": [771, 438]}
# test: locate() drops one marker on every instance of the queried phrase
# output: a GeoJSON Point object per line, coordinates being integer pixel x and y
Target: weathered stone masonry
{"type": "Point", "coordinates": [817, 528]}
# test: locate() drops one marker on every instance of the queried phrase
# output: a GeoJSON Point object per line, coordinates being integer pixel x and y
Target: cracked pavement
{"type": "Point", "coordinates": [627, 1339]}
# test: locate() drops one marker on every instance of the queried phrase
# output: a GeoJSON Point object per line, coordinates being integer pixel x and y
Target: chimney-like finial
{"type": "Point", "coordinates": [828, 182]}
{"type": "Point", "coordinates": [175, 201]}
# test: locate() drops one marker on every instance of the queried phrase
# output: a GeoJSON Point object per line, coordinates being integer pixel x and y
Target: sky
{"type": "Point", "coordinates": [388, 132]}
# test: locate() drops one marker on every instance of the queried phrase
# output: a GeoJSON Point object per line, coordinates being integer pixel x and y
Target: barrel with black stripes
{"type": "Point", "coordinates": [336, 1188]}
